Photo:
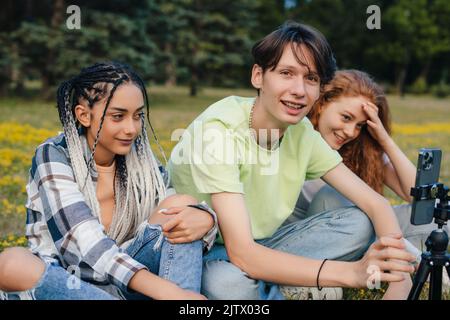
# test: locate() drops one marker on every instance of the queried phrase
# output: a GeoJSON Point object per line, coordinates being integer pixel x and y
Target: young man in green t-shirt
{"type": "Point", "coordinates": [249, 157]}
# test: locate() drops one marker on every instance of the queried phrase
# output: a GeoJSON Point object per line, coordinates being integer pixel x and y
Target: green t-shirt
{"type": "Point", "coordinates": [218, 153]}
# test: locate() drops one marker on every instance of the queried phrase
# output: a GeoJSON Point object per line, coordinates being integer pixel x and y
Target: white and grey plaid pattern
{"type": "Point", "coordinates": [61, 226]}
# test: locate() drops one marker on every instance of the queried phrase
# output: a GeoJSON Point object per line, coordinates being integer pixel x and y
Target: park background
{"type": "Point", "coordinates": [194, 52]}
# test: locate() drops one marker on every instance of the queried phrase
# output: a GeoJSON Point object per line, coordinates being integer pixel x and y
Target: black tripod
{"type": "Point", "coordinates": [436, 256]}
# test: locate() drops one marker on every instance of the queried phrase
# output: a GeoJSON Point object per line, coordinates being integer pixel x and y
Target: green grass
{"type": "Point", "coordinates": [173, 108]}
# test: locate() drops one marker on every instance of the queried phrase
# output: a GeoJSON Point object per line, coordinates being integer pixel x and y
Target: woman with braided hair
{"type": "Point", "coordinates": [101, 223]}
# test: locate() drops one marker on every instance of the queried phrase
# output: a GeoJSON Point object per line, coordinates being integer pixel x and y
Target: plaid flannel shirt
{"type": "Point", "coordinates": [61, 227]}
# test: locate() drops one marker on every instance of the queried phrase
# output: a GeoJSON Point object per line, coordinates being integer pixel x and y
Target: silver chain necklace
{"type": "Point", "coordinates": [250, 119]}
{"type": "Point", "coordinates": [253, 132]}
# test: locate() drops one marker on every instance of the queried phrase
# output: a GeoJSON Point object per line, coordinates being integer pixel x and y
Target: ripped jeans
{"type": "Point", "coordinates": [179, 263]}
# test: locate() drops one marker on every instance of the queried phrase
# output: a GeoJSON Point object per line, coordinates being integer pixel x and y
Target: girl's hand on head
{"type": "Point", "coordinates": [385, 261]}
{"type": "Point", "coordinates": [188, 225]}
{"type": "Point", "coordinates": [374, 124]}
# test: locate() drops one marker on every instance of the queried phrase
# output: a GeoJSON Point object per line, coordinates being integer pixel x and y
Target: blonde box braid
{"type": "Point", "coordinates": [139, 185]}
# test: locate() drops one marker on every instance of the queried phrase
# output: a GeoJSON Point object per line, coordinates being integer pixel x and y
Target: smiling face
{"type": "Point", "coordinates": [287, 93]}
{"type": "Point", "coordinates": [341, 120]}
{"type": "Point", "coordinates": [121, 126]}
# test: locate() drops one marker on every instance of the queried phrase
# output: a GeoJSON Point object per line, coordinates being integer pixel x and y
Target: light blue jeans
{"type": "Point", "coordinates": [327, 198]}
{"type": "Point", "coordinates": [342, 234]}
{"type": "Point", "coordinates": [179, 263]}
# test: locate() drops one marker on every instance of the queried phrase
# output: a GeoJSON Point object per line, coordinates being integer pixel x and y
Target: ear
{"type": "Point", "coordinates": [257, 76]}
{"type": "Point", "coordinates": [83, 115]}
{"type": "Point", "coordinates": [319, 108]}
{"type": "Point", "coordinates": [319, 105]}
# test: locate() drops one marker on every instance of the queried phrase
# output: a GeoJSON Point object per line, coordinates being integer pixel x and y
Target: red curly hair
{"type": "Point", "coordinates": [363, 155]}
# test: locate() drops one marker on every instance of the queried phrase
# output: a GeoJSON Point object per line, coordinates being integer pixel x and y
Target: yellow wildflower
{"type": "Point", "coordinates": [423, 128]}
{"type": "Point", "coordinates": [17, 134]}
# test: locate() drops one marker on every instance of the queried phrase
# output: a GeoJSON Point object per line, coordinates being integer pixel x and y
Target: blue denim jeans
{"type": "Point", "coordinates": [342, 234]}
{"type": "Point", "coordinates": [179, 263]}
{"type": "Point", "coordinates": [328, 198]}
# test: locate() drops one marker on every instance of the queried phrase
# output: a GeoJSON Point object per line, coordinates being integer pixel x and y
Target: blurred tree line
{"type": "Point", "coordinates": [205, 42]}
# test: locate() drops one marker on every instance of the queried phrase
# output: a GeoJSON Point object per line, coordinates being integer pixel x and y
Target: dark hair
{"type": "Point", "coordinates": [92, 85]}
{"type": "Point", "coordinates": [267, 52]}
{"type": "Point", "coordinates": [138, 183]}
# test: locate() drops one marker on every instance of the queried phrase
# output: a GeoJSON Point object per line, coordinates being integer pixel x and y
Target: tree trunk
{"type": "Point", "coordinates": [400, 81]}
{"type": "Point", "coordinates": [170, 68]}
{"type": "Point", "coordinates": [46, 88]}
{"type": "Point", "coordinates": [14, 71]}
{"type": "Point", "coordinates": [19, 82]}
{"type": "Point", "coordinates": [194, 73]}
{"type": "Point", "coordinates": [194, 67]}
{"type": "Point", "coordinates": [48, 75]}
{"type": "Point", "coordinates": [425, 70]}
{"type": "Point", "coordinates": [193, 83]}
{"type": "Point", "coordinates": [5, 80]}
{"type": "Point", "coordinates": [58, 13]}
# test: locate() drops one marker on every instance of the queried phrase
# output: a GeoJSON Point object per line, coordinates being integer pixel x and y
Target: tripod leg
{"type": "Point", "coordinates": [447, 266]}
{"type": "Point", "coordinates": [435, 292]}
{"type": "Point", "coordinates": [419, 280]}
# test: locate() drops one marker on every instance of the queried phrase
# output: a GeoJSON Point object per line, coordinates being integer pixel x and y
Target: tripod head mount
{"type": "Point", "coordinates": [435, 191]}
{"type": "Point", "coordinates": [437, 242]}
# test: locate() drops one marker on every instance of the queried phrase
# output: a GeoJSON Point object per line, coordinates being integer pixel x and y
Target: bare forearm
{"type": "Point", "coordinates": [405, 170]}
{"type": "Point", "coordinates": [372, 203]}
{"type": "Point", "coordinates": [283, 268]}
{"type": "Point", "coordinates": [399, 290]}
{"type": "Point", "coordinates": [279, 267]}
{"type": "Point", "coordinates": [152, 286]}
{"type": "Point", "coordinates": [383, 218]}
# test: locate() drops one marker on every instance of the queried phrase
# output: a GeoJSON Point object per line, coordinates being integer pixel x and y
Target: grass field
{"type": "Point", "coordinates": [418, 121]}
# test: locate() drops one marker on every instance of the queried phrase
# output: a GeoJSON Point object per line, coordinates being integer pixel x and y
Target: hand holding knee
{"type": "Point", "coordinates": [170, 206]}
{"type": "Point", "coordinates": [182, 224]}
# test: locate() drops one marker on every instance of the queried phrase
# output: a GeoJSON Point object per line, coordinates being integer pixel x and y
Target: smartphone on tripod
{"type": "Point", "coordinates": [428, 168]}
{"type": "Point", "coordinates": [430, 201]}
